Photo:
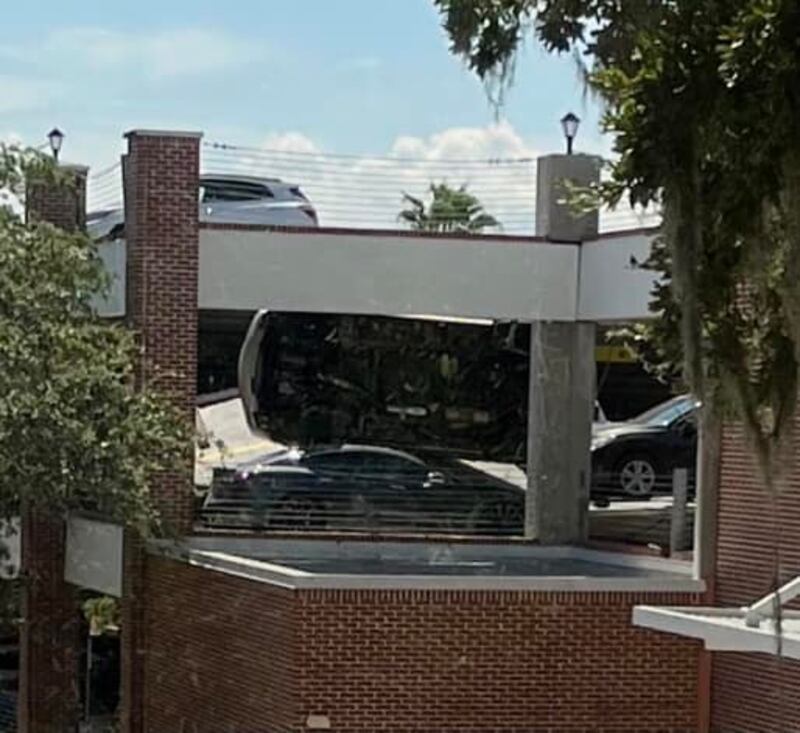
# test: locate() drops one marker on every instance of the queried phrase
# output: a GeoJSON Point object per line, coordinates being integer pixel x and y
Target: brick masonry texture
{"type": "Point", "coordinates": [231, 654]}
{"type": "Point", "coordinates": [753, 693]}
{"type": "Point", "coordinates": [160, 177]}
{"type": "Point", "coordinates": [63, 206]}
{"type": "Point", "coordinates": [49, 633]}
{"type": "Point", "coordinates": [48, 692]}
{"type": "Point", "coordinates": [222, 653]}
{"type": "Point", "coordinates": [161, 183]}
{"type": "Point", "coordinates": [493, 661]}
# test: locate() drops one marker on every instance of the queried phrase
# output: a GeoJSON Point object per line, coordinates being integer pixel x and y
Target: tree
{"type": "Point", "coordinates": [450, 210]}
{"type": "Point", "coordinates": [702, 100]}
{"type": "Point", "coordinates": [74, 431]}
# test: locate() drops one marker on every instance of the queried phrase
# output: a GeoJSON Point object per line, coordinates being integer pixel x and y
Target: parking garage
{"type": "Point", "coordinates": [467, 600]}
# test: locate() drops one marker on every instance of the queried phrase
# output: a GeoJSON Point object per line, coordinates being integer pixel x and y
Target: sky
{"type": "Point", "coordinates": [319, 76]}
{"type": "Point", "coordinates": [349, 75]}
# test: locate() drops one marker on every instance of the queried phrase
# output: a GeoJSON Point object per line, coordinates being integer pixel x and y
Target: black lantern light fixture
{"type": "Point", "coordinates": [569, 124]}
{"type": "Point", "coordinates": [55, 138]}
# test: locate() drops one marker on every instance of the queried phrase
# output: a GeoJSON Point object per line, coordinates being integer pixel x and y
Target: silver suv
{"type": "Point", "coordinates": [229, 199]}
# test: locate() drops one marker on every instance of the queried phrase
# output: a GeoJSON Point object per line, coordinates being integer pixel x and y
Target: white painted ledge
{"type": "Point", "coordinates": [723, 629]}
{"type": "Point", "coordinates": [279, 571]}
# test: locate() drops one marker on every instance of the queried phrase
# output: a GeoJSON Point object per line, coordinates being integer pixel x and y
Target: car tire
{"type": "Point", "coordinates": [636, 476]}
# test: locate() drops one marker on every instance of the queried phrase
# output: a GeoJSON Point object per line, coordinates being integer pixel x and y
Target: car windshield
{"type": "Point", "coordinates": [667, 412]}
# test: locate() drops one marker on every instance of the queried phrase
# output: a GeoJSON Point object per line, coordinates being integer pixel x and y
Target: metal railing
{"type": "Point", "coordinates": [446, 496]}
{"type": "Point", "coordinates": [438, 496]}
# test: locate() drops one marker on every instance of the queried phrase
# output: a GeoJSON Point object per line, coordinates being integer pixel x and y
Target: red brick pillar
{"type": "Point", "coordinates": [62, 205]}
{"type": "Point", "coordinates": [49, 640]}
{"type": "Point", "coordinates": [161, 178]}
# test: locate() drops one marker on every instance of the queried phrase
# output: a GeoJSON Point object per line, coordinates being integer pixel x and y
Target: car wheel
{"type": "Point", "coordinates": [297, 513]}
{"type": "Point", "coordinates": [637, 476]}
{"type": "Point", "coordinates": [499, 515]}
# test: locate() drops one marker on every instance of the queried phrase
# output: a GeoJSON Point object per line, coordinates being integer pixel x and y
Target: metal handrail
{"type": "Point", "coordinates": [763, 609]}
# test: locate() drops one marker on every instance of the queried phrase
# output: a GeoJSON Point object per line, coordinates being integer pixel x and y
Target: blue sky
{"type": "Point", "coordinates": [350, 76]}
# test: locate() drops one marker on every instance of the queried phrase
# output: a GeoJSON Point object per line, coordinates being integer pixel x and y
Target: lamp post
{"type": "Point", "coordinates": [56, 138]}
{"type": "Point", "coordinates": [569, 124]}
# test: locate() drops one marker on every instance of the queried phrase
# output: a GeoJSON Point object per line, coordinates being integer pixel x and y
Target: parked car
{"type": "Point", "coordinates": [354, 487]}
{"type": "Point", "coordinates": [228, 199]}
{"type": "Point", "coordinates": [636, 458]}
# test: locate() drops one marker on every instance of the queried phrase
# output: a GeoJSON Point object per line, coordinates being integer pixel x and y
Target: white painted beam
{"type": "Point", "coordinates": [384, 273]}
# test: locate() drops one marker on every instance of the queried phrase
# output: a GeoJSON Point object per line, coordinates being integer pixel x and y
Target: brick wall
{"type": "Point", "coordinates": [223, 653]}
{"type": "Point", "coordinates": [160, 177]}
{"type": "Point", "coordinates": [753, 693]}
{"type": "Point", "coordinates": [493, 661]}
{"type": "Point", "coordinates": [231, 654]}
{"type": "Point", "coordinates": [49, 642]}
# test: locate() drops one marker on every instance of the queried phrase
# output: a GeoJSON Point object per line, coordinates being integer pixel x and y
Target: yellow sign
{"type": "Point", "coordinates": [614, 354]}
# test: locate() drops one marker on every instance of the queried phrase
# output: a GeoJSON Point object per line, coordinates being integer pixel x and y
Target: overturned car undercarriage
{"type": "Point", "coordinates": [442, 384]}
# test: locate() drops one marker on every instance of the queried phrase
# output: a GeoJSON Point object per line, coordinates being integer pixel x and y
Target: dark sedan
{"type": "Point", "coordinates": [363, 488]}
{"type": "Point", "coordinates": [636, 459]}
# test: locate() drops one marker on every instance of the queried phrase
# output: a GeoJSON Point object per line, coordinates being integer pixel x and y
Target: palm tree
{"type": "Point", "coordinates": [450, 210]}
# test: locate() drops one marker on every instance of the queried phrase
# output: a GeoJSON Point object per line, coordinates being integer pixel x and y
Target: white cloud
{"type": "Point", "coordinates": [290, 142]}
{"type": "Point", "coordinates": [499, 140]}
{"type": "Point", "coordinates": [21, 94]}
{"type": "Point", "coordinates": [10, 137]}
{"type": "Point", "coordinates": [161, 54]}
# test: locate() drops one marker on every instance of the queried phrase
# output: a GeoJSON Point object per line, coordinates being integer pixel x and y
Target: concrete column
{"type": "Point", "coordinates": [49, 636]}
{"type": "Point", "coordinates": [161, 178]}
{"type": "Point", "coordinates": [561, 406]}
{"type": "Point", "coordinates": [556, 220]}
{"type": "Point", "coordinates": [709, 452]}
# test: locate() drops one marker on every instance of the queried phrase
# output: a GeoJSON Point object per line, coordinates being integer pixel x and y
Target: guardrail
{"type": "Point", "coordinates": [446, 497]}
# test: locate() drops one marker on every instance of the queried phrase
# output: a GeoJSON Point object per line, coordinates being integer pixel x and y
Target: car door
{"type": "Point", "coordinates": [401, 491]}
{"type": "Point", "coordinates": [342, 483]}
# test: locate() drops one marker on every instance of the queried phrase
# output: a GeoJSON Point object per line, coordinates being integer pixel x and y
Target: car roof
{"type": "Point", "coordinates": [263, 463]}
{"type": "Point", "coordinates": [233, 178]}
{"type": "Point", "coordinates": [282, 468]}
{"type": "Point", "coordinates": [377, 449]}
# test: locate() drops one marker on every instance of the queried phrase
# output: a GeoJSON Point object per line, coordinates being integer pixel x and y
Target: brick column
{"type": "Point", "coordinates": [49, 641]}
{"type": "Point", "coordinates": [49, 638]}
{"type": "Point", "coordinates": [62, 205]}
{"type": "Point", "coordinates": [161, 178]}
